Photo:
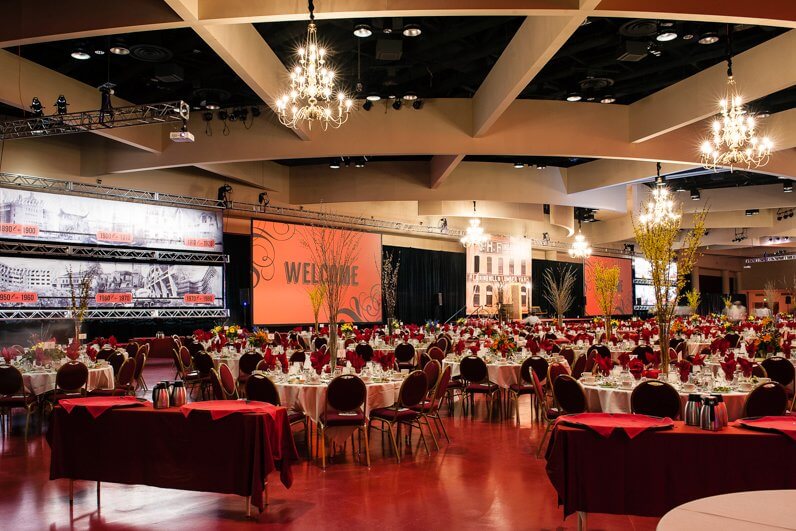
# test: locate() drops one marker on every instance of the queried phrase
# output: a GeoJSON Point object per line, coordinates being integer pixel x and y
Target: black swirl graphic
{"type": "Point", "coordinates": [263, 237]}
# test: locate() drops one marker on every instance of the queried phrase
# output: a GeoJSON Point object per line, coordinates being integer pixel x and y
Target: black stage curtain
{"type": "Point", "coordinates": [238, 278]}
{"type": "Point", "coordinates": [538, 267]}
{"type": "Point", "coordinates": [422, 277]}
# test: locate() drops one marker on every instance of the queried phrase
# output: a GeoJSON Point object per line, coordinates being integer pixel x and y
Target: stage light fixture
{"type": "Point", "coordinates": [410, 96]}
{"type": "Point", "coordinates": [223, 195]}
{"type": "Point", "coordinates": [119, 49]}
{"type": "Point", "coordinates": [396, 105]}
{"type": "Point", "coordinates": [263, 199]}
{"type": "Point", "coordinates": [222, 115]}
{"type": "Point", "coordinates": [417, 105]}
{"type": "Point", "coordinates": [359, 162]}
{"type": "Point", "coordinates": [443, 225]}
{"type": "Point", "coordinates": [36, 107]}
{"type": "Point", "coordinates": [695, 196]}
{"type": "Point", "coordinates": [519, 165]}
{"type": "Point", "coordinates": [61, 104]}
{"type": "Point", "coordinates": [412, 30]}
{"type": "Point", "coordinates": [373, 97]}
{"type": "Point", "coordinates": [708, 38]}
{"type": "Point", "coordinates": [367, 105]}
{"type": "Point", "coordinates": [106, 105]}
{"type": "Point", "coordinates": [256, 112]}
{"type": "Point", "coordinates": [680, 186]}
{"type": "Point", "coordinates": [80, 54]}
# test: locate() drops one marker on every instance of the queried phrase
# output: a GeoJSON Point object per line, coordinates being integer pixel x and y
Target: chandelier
{"type": "Point", "coordinates": [475, 235]}
{"type": "Point", "coordinates": [311, 95]}
{"type": "Point", "coordinates": [660, 209]}
{"type": "Point", "coordinates": [733, 138]}
{"type": "Point", "coordinates": [580, 247]}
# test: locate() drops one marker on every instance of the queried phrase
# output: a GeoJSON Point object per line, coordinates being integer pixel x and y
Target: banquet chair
{"type": "Point", "coordinates": [262, 389]}
{"type": "Point", "coordinates": [554, 371]}
{"type": "Point", "coordinates": [115, 359]}
{"type": "Point", "coordinates": [548, 413]}
{"type": "Point", "coordinates": [781, 370]}
{"type": "Point", "coordinates": [435, 353]}
{"type": "Point", "coordinates": [734, 339]}
{"type": "Point", "coordinates": [642, 352]}
{"type": "Point", "coordinates": [345, 405]}
{"type": "Point", "coordinates": [319, 342]}
{"type": "Point", "coordinates": [13, 395]}
{"type": "Point", "coordinates": [475, 374]}
{"type": "Point", "coordinates": [124, 382]}
{"type": "Point", "coordinates": [277, 340]}
{"type": "Point", "coordinates": [228, 386]}
{"type": "Point", "coordinates": [759, 371]}
{"type": "Point", "coordinates": [432, 370]}
{"type": "Point", "coordinates": [70, 382]}
{"type": "Point", "coordinates": [429, 408]}
{"type": "Point", "coordinates": [302, 342]}
{"type": "Point", "coordinates": [405, 356]}
{"type": "Point", "coordinates": [539, 366]}
{"type": "Point", "coordinates": [140, 362]}
{"type": "Point", "coordinates": [556, 348]}
{"type": "Point", "coordinates": [132, 349]}
{"type": "Point", "coordinates": [655, 398]}
{"type": "Point", "coordinates": [215, 386]}
{"type": "Point", "coordinates": [568, 354]}
{"type": "Point", "coordinates": [523, 387]}
{"type": "Point", "coordinates": [569, 399]}
{"type": "Point", "coordinates": [424, 359]}
{"type": "Point", "coordinates": [532, 345]}
{"type": "Point", "coordinates": [364, 351]}
{"type": "Point", "coordinates": [579, 366]}
{"type": "Point", "coordinates": [247, 364]}
{"type": "Point", "coordinates": [412, 391]}
{"type": "Point", "coordinates": [442, 343]}
{"type": "Point", "coordinates": [768, 399]}
{"type": "Point", "coordinates": [297, 357]}
{"type": "Point", "coordinates": [602, 350]}
{"type": "Point", "coordinates": [200, 375]}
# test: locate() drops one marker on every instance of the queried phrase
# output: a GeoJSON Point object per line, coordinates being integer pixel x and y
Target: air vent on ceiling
{"type": "Point", "coordinates": [169, 73]}
{"type": "Point", "coordinates": [150, 53]}
{"type": "Point", "coordinates": [389, 49]}
{"type": "Point", "coordinates": [633, 51]}
{"type": "Point", "coordinates": [638, 28]}
{"type": "Point", "coordinates": [595, 83]}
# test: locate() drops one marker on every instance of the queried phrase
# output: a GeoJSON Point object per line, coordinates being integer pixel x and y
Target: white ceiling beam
{"type": "Point", "coordinates": [441, 167]}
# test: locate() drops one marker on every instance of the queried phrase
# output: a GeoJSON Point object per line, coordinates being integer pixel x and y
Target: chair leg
{"type": "Point", "coordinates": [422, 437]}
{"type": "Point", "coordinates": [322, 437]}
{"type": "Point", "coordinates": [541, 443]}
{"type": "Point", "coordinates": [394, 443]}
{"type": "Point", "coordinates": [431, 431]}
{"type": "Point", "coordinates": [367, 446]}
{"type": "Point", "coordinates": [438, 421]}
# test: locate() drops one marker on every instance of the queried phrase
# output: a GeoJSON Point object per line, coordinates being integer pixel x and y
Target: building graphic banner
{"type": "Point", "coordinates": [499, 272]}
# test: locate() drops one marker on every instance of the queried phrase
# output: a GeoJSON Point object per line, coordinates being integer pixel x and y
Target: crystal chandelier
{"type": "Point", "coordinates": [580, 247]}
{"type": "Point", "coordinates": [475, 235]}
{"type": "Point", "coordinates": [660, 209]}
{"type": "Point", "coordinates": [311, 96]}
{"type": "Point", "coordinates": [733, 139]}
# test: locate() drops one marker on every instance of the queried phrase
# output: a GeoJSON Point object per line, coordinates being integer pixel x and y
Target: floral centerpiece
{"type": "Point", "coordinates": [678, 326]}
{"type": "Point", "coordinates": [258, 338]}
{"type": "Point", "coordinates": [768, 338]}
{"type": "Point", "coordinates": [347, 329]}
{"type": "Point", "coordinates": [503, 345]}
{"type": "Point", "coordinates": [432, 327]}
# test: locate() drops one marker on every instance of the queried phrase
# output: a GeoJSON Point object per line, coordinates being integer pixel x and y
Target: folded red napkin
{"type": "Point", "coordinates": [654, 359]}
{"type": "Point", "coordinates": [652, 374]}
{"type": "Point", "coordinates": [319, 359]}
{"type": "Point", "coordinates": [605, 364]}
{"type": "Point", "coordinates": [355, 359]}
{"type": "Point", "coordinates": [384, 358]}
{"type": "Point", "coordinates": [684, 368]}
{"type": "Point", "coordinates": [747, 366]}
{"type": "Point", "coordinates": [729, 369]}
{"type": "Point", "coordinates": [624, 359]}
{"type": "Point", "coordinates": [97, 405]}
{"type": "Point", "coordinates": [604, 424]}
{"type": "Point", "coordinates": [785, 424]}
{"type": "Point", "coordinates": [636, 367]}
{"type": "Point", "coordinates": [8, 355]}
{"type": "Point", "coordinates": [698, 360]}
{"type": "Point", "coordinates": [221, 408]}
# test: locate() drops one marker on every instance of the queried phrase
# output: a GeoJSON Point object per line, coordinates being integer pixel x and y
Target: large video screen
{"type": "Point", "coordinates": [45, 217]}
{"type": "Point", "coordinates": [47, 283]}
{"type": "Point", "coordinates": [642, 269]}
{"type": "Point", "coordinates": [283, 272]}
{"type": "Point", "coordinates": [645, 294]}
{"type": "Point", "coordinates": [624, 292]}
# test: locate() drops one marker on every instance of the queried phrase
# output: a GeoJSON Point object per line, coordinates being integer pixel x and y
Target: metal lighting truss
{"type": "Point", "coordinates": [771, 258]}
{"type": "Point", "coordinates": [120, 313]}
{"type": "Point", "coordinates": [79, 122]}
{"type": "Point", "coordinates": [60, 250]}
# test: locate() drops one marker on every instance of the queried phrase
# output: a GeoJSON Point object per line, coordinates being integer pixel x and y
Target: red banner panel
{"type": "Point", "coordinates": [115, 237]}
{"type": "Point", "coordinates": [199, 298]}
{"type": "Point", "coordinates": [18, 297]}
{"type": "Point", "coordinates": [114, 298]}
{"type": "Point", "coordinates": [205, 243]}
{"type": "Point", "coordinates": [624, 293]}
{"type": "Point", "coordinates": [18, 229]}
{"type": "Point", "coordinates": [283, 272]}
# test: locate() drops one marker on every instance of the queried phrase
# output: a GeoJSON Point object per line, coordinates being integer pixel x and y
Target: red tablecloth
{"type": "Point", "coordinates": [97, 405]}
{"type": "Point", "coordinates": [163, 448]}
{"type": "Point", "coordinates": [659, 470]}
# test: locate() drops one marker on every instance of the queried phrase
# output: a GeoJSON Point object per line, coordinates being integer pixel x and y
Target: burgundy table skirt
{"type": "Point", "coordinates": [163, 448]}
{"type": "Point", "coordinates": [659, 470]}
{"type": "Point", "coordinates": [159, 347]}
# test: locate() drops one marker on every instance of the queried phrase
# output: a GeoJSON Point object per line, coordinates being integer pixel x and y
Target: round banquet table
{"type": "Point", "coordinates": [503, 374]}
{"type": "Point", "coordinates": [695, 347]}
{"type": "Point", "coordinates": [233, 362]}
{"type": "Point", "coordinates": [311, 398]}
{"type": "Point", "coordinates": [616, 400]}
{"type": "Point", "coordinates": [739, 511]}
{"type": "Point", "coordinates": [39, 382]}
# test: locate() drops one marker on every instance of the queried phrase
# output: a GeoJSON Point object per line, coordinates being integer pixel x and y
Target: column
{"type": "Point", "coordinates": [695, 278]}
{"type": "Point", "coordinates": [725, 282]}
{"type": "Point", "coordinates": [738, 281]}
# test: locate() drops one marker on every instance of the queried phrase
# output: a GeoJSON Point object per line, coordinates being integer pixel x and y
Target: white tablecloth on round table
{"type": "Point", "coordinates": [739, 511]}
{"type": "Point", "coordinates": [615, 400]}
{"type": "Point", "coordinates": [310, 399]}
{"type": "Point", "coordinates": [233, 362]}
{"type": "Point", "coordinates": [503, 374]}
{"type": "Point", "coordinates": [695, 347]}
{"type": "Point", "coordinates": [41, 382]}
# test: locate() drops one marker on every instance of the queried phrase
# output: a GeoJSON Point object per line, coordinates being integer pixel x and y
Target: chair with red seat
{"type": "Point", "coordinates": [436, 353]}
{"type": "Point", "coordinates": [140, 362]}
{"type": "Point", "coordinates": [412, 392]}
{"type": "Point", "coordinates": [228, 386]}
{"type": "Point", "coordinates": [602, 350]}
{"type": "Point", "coordinates": [297, 357]}
{"type": "Point", "coordinates": [124, 383]}
{"type": "Point", "coordinates": [523, 387]}
{"type": "Point", "coordinates": [320, 342]}
{"type": "Point", "coordinates": [579, 367]}
{"type": "Point", "coordinates": [215, 386]}
{"type": "Point", "coordinates": [432, 370]}
{"type": "Point", "coordinates": [768, 399]}
{"type": "Point", "coordinates": [782, 371]}
{"type": "Point", "coordinates": [442, 343]}
{"type": "Point", "coordinates": [115, 360]}
{"type": "Point", "coordinates": [475, 374]}
{"type": "Point", "coordinates": [429, 408]}
{"type": "Point", "coordinates": [13, 395]}
{"type": "Point", "coordinates": [70, 382]}
{"type": "Point", "coordinates": [346, 401]}
{"type": "Point", "coordinates": [364, 351]}
{"type": "Point", "coordinates": [132, 349]}
{"type": "Point", "coordinates": [569, 399]}
{"type": "Point", "coordinates": [655, 398]}
{"type": "Point", "coordinates": [643, 352]}
{"type": "Point", "coordinates": [554, 371]}
{"type": "Point", "coordinates": [247, 364]}
{"type": "Point", "coordinates": [734, 339]}
{"type": "Point", "coordinates": [568, 354]}
{"type": "Point", "coordinates": [199, 375]}
{"type": "Point", "coordinates": [405, 356]}
{"type": "Point", "coordinates": [260, 388]}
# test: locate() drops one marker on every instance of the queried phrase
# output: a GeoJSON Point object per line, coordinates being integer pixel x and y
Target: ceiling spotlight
{"type": "Point", "coordinates": [396, 105]}
{"type": "Point", "coordinates": [608, 99]}
{"type": "Point", "coordinates": [708, 38]}
{"type": "Point", "coordinates": [412, 30]}
{"type": "Point", "coordinates": [787, 186]}
{"type": "Point", "coordinates": [207, 116]}
{"type": "Point", "coordinates": [359, 162]}
{"type": "Point", "coordinates": [362, 31]}
{"type": "Point", "coordinates": [36, 107]}
{"type": "Point", "coordinates": [688, 36]}
{"type": "Point", "coordinates": [519, 165]}
{"type": "Point", "coordinates": [574, 97]}
{"type": "Point", "coordinates": [373, 97]}
{"type": "Point", "coordinates": [417, 105]}
{"type": "Point", "coordinates": [752, 211]}
{"type": "Point", "coordinates": [334, 164]}
{"type": "Point", "coordinates": [61, 104]}
{"type": "Point", "coordinates": [99, 52]}
{"type": "Point", "coordinates": [223, 115]}
{"type": "Point", "coordinates": [541, 167]}
{"type": "Point", "coordinates": [80, 55]}
{"type": "Point", "coordinates": [210, 105]}
{"type": "Point", "coordinates": [223, 195]}
{"type": "Point", "coordinates": [118, 49]}
{"type": "Point", "coordinates": [666, 36]}
{"type": "Point", "coordinates": [654, 50]}
{"type": "Point", "coordinates": [367, 105]}
{"type": "Point", "coordinates": [680, 186]}
{"type": "Point", "coordinates": [695, 195]}
{"type": "Point", "coordinates": [410, 96]}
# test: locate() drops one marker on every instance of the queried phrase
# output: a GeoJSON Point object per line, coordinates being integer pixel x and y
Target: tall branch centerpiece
{"type": "Point", "coordinates": [606, 285]}
{"type": "Point", "coordinates": [559, 290]}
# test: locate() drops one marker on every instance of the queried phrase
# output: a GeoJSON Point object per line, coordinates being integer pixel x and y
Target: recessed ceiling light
{"type": "Point", "coordinates": [666, 36]}
{"type": "Point", "coordinates": [787, 187]}
{"type": "Point", "coordinates": [608, 99]}
{"type": "Point", "coordinates": [99, 52]}
{"type": "Point", "coordinates": [540, 167]}
{"type": "Point", "coordinates": [695, 195]}
{"type": "Point", "coordinates": [680, 187]}
{"type": "Point", "coordinates": [688, 36]}
{"type": "Point", "coordinates": [387, 30]}
{"type": "Point", "coordinates": [373, 97]}
{"type": "Point", "coordinates": [762, 114]}
{"type": "Point", "coordinates": [519, 165]}
{"type": "Point", "coordinates": [80, 55]}
{"type": "Point", "coordinates": [362, 31]}
{"type": "Point", "coordinates": [574, 97]}
{"type": "Point", "coordinates": [410, 96]}
{"type": "Point", "coordinates": [708, 38]}
{"type": "Point", "coordinates": [212, 106]}
{"type": "Point", "coordinates": [412, 30]}
{"type": "Point", "coordinates": [334, 164]}
{"type": "Point", "coordinates": [120, 50]}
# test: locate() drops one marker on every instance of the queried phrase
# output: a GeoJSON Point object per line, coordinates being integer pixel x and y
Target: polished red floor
{"type": "Point", "coordinates": [488, 476]}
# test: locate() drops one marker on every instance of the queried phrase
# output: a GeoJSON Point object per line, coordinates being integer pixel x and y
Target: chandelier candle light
{"type": "Point", "coordinates": [660, 209]}
{"type": "Point", "coordinates": [733, 137]}
{"type": "Point", "coordinates": [580, 247]}
{"type": "Point", "coordinates": [311, 95]}
{"type": "Point", "coordinates": [475, 235]}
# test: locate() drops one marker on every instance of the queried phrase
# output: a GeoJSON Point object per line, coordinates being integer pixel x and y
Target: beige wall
{"type": "Point", "coordinates": [756, 277]}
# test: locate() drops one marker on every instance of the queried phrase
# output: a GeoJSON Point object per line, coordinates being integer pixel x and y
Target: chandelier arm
{"type": "Point", "coordinates": [311, 7]}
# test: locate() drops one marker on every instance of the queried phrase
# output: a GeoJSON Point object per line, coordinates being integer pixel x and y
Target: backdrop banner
{"type": "Point", "coordinates": [283, 272]}
{"type": "Point", "coordinates": [624, 293]}
{"type": "Point", "coordinates": [499, 272]}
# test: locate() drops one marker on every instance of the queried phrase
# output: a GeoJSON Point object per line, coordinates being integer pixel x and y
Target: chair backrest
{"type": "Point", "coordinates": [126, 373]}
{"type": "Point", "coordinates": [473, 369]}
{"type": "Point", "coordinates": [441, 389]}
{"type": "Point", "coordinates": [319, 342]}
{"type": "Point", "coordinates": [203, 363]}
{"type": "Point", "coordinates": [346, 393]}
{"type": "Point", "coordinates": [579, 366]}
{"type": "Point", "coordinates": [413, 390]}
{"type": "Point", "coordinates": [568, 354]}
{"type": "Point", "coordinates": [215, 384]}
{"type": "Point", "coordinates": [779, 369]}
{"type": "Point", "coordinates": [364, 351]}
{"type": "Point", "coordinates": [248, 362]}
{"type": "Point", "coordinates": [733, 339]}
{"type": "Point", "coordinates": [769, 398]}
{"type": "Point", "coordinates": [655, 398]}
{"type": "Point", "coordinates": [71, 376]}
{"type": "Point", "coordinates": [140, 361]}
{"type": "Point", "coordinates": [227, 382]}
{"type": "Point", "coordinates": [297, 357]}
{"type": "Point", "coordinates": [643, 353]}
{"type": "Point", "coordinates": [19, 348]}
{"type": "Point", "coordinates": [105, 352]}
{"type": "Point", "coordinates": [555, 370]}
{"type": "Point", "coordinates": [116, 359]}
{"type": "Point", "coordinates": [603, 350]}
{"type": "Point", "coordinates": [432, 371]}
{"type": "Point", "coordinates": [404, 352]}
{"type": "Point", "coordinates": [538, 390]}
{"type": "Point", "coordinates": [569, 394]}
{"type": "Point", "coordinates": [185, 356]}
{"type": "Point", "coordinates": [11, 382]}
{"type": "Point", "coordinates": [145, 347]}
{"type": "Point", "coordinates": [132, 349]}
{"type": "Point", "coordinates": [259, 387]}
{"type": "Point", "coordinates": [539, 366]}
{"type": "Point", "coordinates": [442, 343]}
{"type": "Point", "coordinates": [436, 353]}
{"type": "Point", "coordinates": [525, 372]}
